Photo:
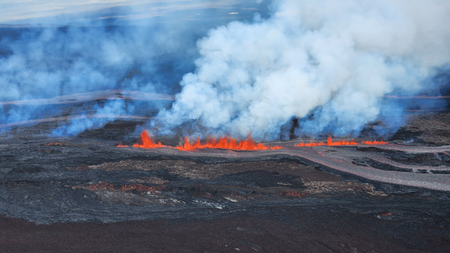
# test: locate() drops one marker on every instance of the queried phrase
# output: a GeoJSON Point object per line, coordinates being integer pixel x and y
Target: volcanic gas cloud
{"type": "Point", "coordinates": [328, 63]}
{"type": "Point", "coordinates": [335, 66]}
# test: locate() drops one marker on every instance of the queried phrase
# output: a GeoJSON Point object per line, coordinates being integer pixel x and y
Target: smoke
{"type": "Point", "coordinates": [48, 62]}
{"type": "Point", "coordinates": [328, 63]}
{"type": "Point", "coordinates": [141, 46]}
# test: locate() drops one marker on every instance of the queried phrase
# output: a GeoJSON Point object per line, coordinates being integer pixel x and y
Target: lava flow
{"type": "Point", "coordinates": [374, 142]}
{"type": "Point", "coordinates": [330, 142]}
{"type": "Point", "coordinates": [225, 143]}
{"type": "Point", "coordinates": [145, 142]}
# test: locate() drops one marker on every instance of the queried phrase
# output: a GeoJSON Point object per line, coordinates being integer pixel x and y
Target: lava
{"type": "Point", "coordinates": [374, 142]}
{"type": "Point", "coordinates": [246, 144]}
{"type": "Point", "coordinates": [145, 142]}
{"type": "Point", "coordinates": [225, 143]}
{"type": "Point", "coordinates": [330, 142]}
{"type": "Point", "coordinates": [222, 142]}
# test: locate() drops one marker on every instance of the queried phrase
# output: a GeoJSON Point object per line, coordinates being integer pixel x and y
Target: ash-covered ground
{"type": "Point", "coordinates": [85, 194]}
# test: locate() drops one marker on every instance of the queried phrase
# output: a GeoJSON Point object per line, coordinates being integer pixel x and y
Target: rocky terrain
{"type": "Point", "coordinates": [85, 194]}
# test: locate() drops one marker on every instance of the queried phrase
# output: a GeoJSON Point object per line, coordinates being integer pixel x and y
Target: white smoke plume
{"type": "Point", "coordinates": [336, 59]}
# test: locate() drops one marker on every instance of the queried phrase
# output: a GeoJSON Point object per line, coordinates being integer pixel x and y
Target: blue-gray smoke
{"type": "Point", "coordinates": [135, 54]}
{"type": "Point", "coordinates": [44, 63]}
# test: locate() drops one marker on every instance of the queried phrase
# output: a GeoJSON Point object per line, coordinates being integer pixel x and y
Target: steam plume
{"type": "Point", "coordinates": [333, 59]}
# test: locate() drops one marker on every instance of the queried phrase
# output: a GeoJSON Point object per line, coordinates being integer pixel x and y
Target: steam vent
{"type": "Point", "coordinates": [225, 126]}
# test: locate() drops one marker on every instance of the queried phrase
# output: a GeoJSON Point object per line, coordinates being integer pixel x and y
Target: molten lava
{"type": "Point", "coordinates": [222, 142]}
{"type": "Point", "coordinates": [330, 142]}
{"type": "Point", "coordinates": [225, 143]}
{"type": "Point", "coordinates": [374, 142]}
{"type": "Point", "coordinates": [145, 142]}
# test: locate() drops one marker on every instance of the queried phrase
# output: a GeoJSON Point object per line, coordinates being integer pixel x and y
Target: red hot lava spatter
{"type": "Point", "coordinates": [330, 142]}
{"type": "Point", "coordinates": [225, 143]}
{"type": "Point", "coordinates": [222, 143]}
{"type": "Point", "coordinates": [374, 142]}
{"type": "Point", "coordinates": [145, 142]}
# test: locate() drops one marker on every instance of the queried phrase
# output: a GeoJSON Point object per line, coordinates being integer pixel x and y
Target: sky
{"type": "Point", "coordinates": [44, 11]}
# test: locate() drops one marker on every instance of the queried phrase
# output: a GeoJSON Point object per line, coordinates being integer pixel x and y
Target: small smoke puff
{"type": "Point", "coordinates": [333, 59]}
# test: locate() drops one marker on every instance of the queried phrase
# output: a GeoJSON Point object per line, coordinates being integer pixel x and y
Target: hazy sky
{"type": "Point", "coordinates": [22, 11]}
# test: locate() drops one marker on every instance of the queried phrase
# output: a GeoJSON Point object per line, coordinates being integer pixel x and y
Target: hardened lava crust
{"type": "Point", "coordinates": [360, 198]}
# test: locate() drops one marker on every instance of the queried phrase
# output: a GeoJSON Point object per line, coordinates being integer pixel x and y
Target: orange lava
{"type": "Point", "coordinates": [222, 142]}
{"type": "Point", "coordinates": [330, 142]}
{"type": "Point", "coordinates": [374, 142]}
{"type": "Point", "coordinates": [122, 146]}
{"type": "Point", "coordinates": [225, 143]}
{"type": "Point", "coordinates": [145, 142]}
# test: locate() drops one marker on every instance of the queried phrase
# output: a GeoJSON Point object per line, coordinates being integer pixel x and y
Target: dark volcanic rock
{"type": "Point", "coordinates": [426, 128]}
{"type": "Point", "coordinates": [338, 199]}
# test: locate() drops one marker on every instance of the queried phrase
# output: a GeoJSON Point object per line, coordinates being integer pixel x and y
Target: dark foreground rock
{"type": "Point", "coordinates": [320, 227]}
{"type": "Point", "coordinates": [84, 194]}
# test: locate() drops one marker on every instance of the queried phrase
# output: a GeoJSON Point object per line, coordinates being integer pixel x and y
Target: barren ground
{"type": "Point", "coordinates": [84, 194]}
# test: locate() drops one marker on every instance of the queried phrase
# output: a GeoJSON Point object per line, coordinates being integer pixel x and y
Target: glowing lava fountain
{"type": "Point", "coordinates": [225, 143]}
{"type": "Point", "coordinates": [145, 142]}
{"type": "Point", "coordinates": [222, 142]}
{"type": "Point", "coordinates": [330, 142]}
{"type": "Point", "coordinates": [246, 144]}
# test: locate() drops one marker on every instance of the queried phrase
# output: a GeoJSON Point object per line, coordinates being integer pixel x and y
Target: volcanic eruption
{"type": "Point", "coordinates": [333, 67]}
{"type": "Point", "coordinates": [222, 143]}
{"type": "Point", "coordinates": [218, 126]}
{"type": "Point", "coordinates": [330, 142]}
